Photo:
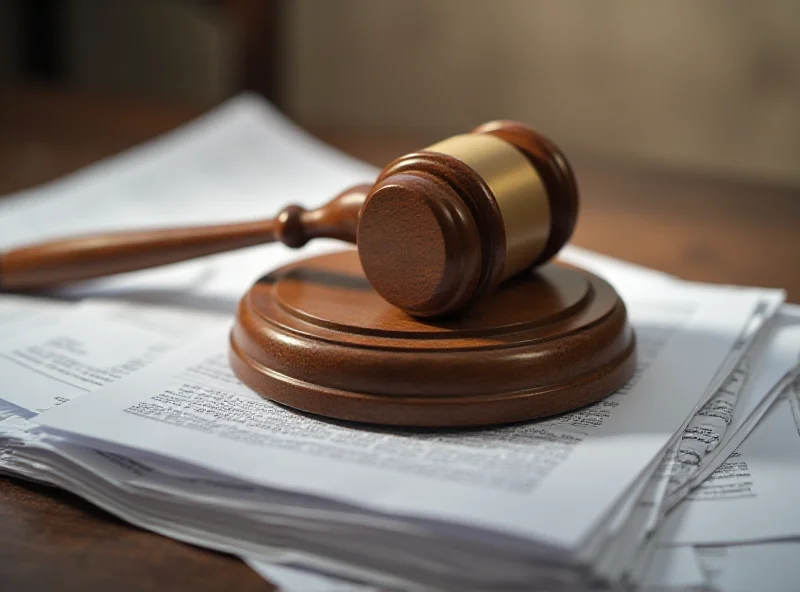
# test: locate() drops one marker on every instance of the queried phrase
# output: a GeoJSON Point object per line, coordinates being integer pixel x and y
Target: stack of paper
{"type": "Point", "coordinates": [740, 530]}
{"type": "Point", "coordinates": [126, 399]}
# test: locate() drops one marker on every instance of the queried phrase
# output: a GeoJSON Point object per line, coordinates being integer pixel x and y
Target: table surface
{"type": "Point", "coordinates": [698, 227]}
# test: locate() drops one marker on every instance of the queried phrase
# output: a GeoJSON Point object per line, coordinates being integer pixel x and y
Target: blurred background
{"type": "Point", "coordinates": [709, 86]}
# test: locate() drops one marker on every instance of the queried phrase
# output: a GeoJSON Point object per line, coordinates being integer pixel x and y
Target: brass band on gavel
{"type": "Point", "coordinates": [517, 188]}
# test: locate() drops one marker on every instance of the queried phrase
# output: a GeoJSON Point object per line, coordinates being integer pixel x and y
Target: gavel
{"type": "Point", "coordinates": [437, 232]}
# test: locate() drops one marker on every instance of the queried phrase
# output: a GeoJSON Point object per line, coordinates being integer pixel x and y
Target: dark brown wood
{"type": "Point", "coordinates": [260, 28]}
{"type": "Point", "coordinates": [429, 257]}
{"type": "Point", "coordinates": [436, 266]}
{"type": "Point", "coordinates": [52, 540]}
{"type": "Point", "coordinates": [81, 258]}
{"type": "Point", "coordinates": [694, 224]}
{"type": "Point", "coordinates": [476, 209]}
{"type": "Point", "coordinates": [315, 336]}
{"type": "Point", "coordinates": [45, 133]}
{"type": "Point", "coordinates": [431, 234]}
{"type": "Point", "coordinates": [697, 226]}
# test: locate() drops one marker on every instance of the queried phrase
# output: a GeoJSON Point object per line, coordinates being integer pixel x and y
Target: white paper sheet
{"type": "Point", "coordinates": [94, 345]}
{"type": "Point", "coordinates": [744, 568]}
{"type": "Point", "coordinates": [728, 506]}
{"type": "Point", "coordinates": [753, 495]}
{"type": "Point", "coordinates": [23, 313]}
{"type": "Point", "coordinates": [771, 566]}
{"type": "Point", "coordinates": [674, 569]}
{"type": "Point", "coordinates": [296, 580]}
{"type": "Point", "coordinates": [526, 470]}
{"type": "Point", "coordinates": [242, 161]}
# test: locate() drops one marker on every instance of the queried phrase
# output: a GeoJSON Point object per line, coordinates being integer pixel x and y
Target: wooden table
{"type": "Point", "coordinates": [697, 227]}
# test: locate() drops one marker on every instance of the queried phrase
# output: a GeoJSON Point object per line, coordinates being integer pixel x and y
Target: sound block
{"type": "Point", "coordinates": [315, 336]}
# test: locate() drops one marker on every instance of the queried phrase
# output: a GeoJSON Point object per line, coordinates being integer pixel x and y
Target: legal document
{"type": "Point", "coordinates": [520, 481]}
{"type": "Point", "coordinates": [243, 161]}
{"type": "Point", "coordinates": [19, 313]}
{"type": "Point", "coordinates": [93, 345]}
{"type": "Point", "coordinates": [772, 373]}
{"type": "Point", "coordinates": [133, 407]}
{"type": "Point", "coordinates": [753, 495]}
{"type": "Point", "coordinates": [740, 531]}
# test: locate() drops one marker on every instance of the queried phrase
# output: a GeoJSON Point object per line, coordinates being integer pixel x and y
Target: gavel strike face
{"type": "Point", "coordinates": [442, 227]}
{"type": "Point", "coordinates": [437, 232]}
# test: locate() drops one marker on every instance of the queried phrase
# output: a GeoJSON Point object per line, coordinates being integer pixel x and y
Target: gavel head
{"type": "Point", "coordinates": [442, 227]}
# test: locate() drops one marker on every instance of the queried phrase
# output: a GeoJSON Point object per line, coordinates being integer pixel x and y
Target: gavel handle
{"type": "Point", "coordinates": [87, 257]}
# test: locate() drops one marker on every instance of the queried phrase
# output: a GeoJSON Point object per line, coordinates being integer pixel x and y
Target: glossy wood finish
{"type": "Point", "coordinates": [315, 336]}
{"type": "Point", "coordinates": [81, 258]}
{"type": "Point", "coordinates": [446, 228]}
{"type": "Point", "coordinates": [52, 540]}
{"type": "Point", "coordinates": [696, 226]}
{"type": "Point", "coordinates": [471, 246]}
{"type": "Point", "coordinates": [431, 233]}
{"type": "Point", "coordinates": [432, 240]}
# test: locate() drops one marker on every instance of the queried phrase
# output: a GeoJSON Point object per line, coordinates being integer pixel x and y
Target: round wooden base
{"type": "Point", "coordinates": [315, 336]}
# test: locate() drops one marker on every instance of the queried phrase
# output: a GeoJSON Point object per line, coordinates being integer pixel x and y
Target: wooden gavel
{"type": "Point", "coordinates": [437, 232]}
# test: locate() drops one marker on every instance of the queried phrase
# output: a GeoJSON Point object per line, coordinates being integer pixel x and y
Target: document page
{"type": "Point", "coordinates": [753, 495]}
{"type": "Point", "coordinates": [242, 161]}
{"type": "Point", "coordinates": [771, 566]}
{"type": "Point", "coordinates": [674, 569]}
{"type": "Point", "coordinates": [293, 580]}
{"type": "Point", "coordinates": [760, 376]}
{"type": "Point", "coordinates": [742, 568]}
{"type": "Point", "coordinates": [629, 279]}
{"type": "Point", "coordinates": [518, 479]}
{"type": "Point", "coordinates": [20, 313]}
{"type": "Point", "coordinates": [94, 345]}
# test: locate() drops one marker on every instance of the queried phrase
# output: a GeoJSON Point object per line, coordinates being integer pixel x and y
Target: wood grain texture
{"type": "Point", "coordinates": [315, 336]}
{"type": "Point", "coordinates": [703, 228]}
{"type": "Point", "coordinates": [52, 540]}
{"type": "Point", "coordinates": [483, 210]}
{"type": "Point", "coordinates": [699, 227]}
{"type": "Point", "coordinates": [441, 272]}
{"type": "Point", "coordinates": [419, 244]}
{"type": "Point", "coordinates": [93, 256]}
{"type": "Point", "coordinates": [433, 232]}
